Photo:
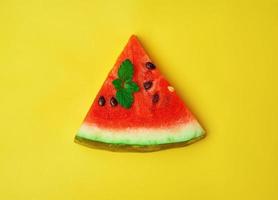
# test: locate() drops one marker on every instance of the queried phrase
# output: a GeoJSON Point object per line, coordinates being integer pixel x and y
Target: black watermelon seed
{"type": "Point", "coordinates": [150, 65]}
{"type": "Point", "coordinates": [155, 98]}
{"type": "Point", "coordinates": [101, 101]}
{"type": "Point", "coordinates": [113, 102]}
{"type": "Point", "coordinates": [147, 85]}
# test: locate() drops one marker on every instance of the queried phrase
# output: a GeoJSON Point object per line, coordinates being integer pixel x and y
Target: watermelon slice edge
{"type": "Point", "coordinates": [142, 136]}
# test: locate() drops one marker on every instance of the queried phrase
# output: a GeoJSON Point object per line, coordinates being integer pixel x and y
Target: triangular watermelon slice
{"type": "Point", "coordinates": [137, 109]}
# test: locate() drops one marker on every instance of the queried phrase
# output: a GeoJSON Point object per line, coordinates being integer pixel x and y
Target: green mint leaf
{"type": "Point", "coordinates": [131, 86]}
{"type": "Point", "coordinates": [125, 71]}
{"type": "Point", "coordinates": [117, 84]}
{"type": "Point", "coordinates": [124, 85]}
{"type": "Point", "coordinates": [124, 98]}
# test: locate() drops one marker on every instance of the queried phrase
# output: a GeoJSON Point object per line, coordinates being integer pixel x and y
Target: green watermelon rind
{"type": "Point", "coordinates": [133, 148]}
{"type": "Point", "coordinates": [141, 137]}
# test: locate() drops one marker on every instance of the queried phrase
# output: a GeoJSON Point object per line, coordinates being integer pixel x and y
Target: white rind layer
{"type": "Point", "coordinates": [142, 136]}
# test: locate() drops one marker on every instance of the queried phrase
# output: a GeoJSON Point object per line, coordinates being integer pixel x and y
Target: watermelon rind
{"type": "Point", "coordinates": [139, 139]}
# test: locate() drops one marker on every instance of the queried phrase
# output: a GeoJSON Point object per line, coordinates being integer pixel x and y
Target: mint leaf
{"type": "Point", "coordinates": [131, 86]}
{"type": "Point", "coordinates": [124, 98]}
{"type": "Point", "coordinates": [117, 84]}
{"type": "Point", "coordinates": [124, 85]}
{"type": "Point", "coordinates": [125, 71]}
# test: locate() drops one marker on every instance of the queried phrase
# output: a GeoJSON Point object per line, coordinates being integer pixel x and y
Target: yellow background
{"type": "Point", "coordinates": [220, 55]}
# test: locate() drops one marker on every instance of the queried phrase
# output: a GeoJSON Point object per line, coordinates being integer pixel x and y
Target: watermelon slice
{"type": "Point", "coordinates": [137, 109]}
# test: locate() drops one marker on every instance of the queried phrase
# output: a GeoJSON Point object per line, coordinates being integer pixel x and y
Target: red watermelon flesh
{"type": "Point", "coordinates": [157, 115]}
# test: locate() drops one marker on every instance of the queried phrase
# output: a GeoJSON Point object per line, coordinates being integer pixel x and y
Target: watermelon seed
{"type": "Point", "coordinates": [147, 85]}
{"type": "Point", "coordinates": [150, 65]}
{"type": "Point", "coordinates": [155, 98]}
{"type": "Point", "coordinates": [101, 101]}
{"type": "Point", "coordinates": [171, 89]}
{"type": "Point", "coordinates": [113, 102]}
